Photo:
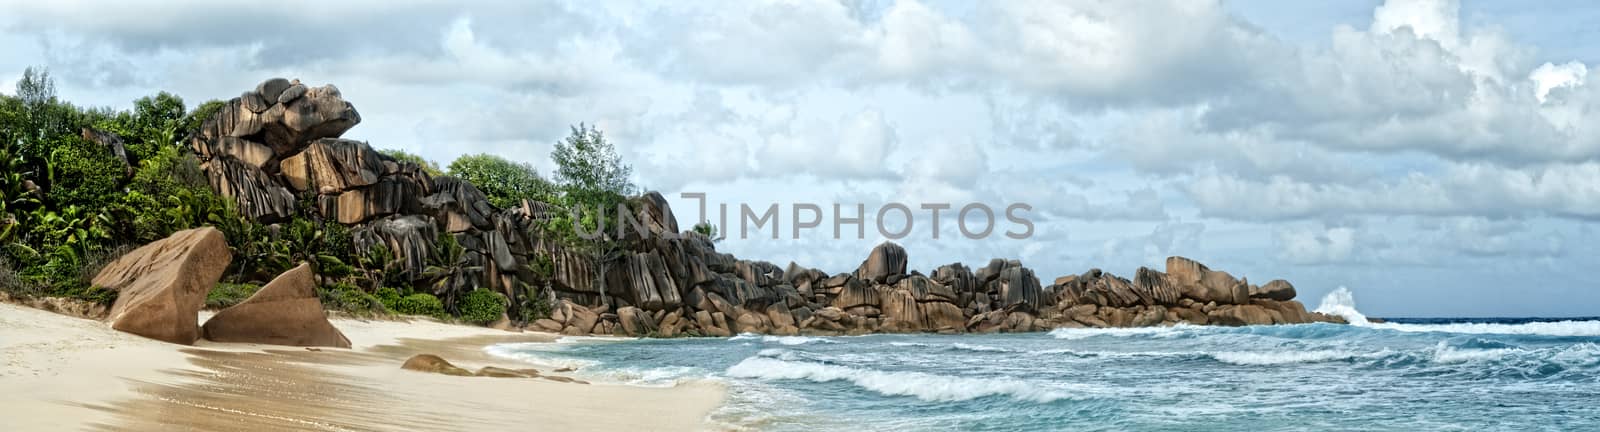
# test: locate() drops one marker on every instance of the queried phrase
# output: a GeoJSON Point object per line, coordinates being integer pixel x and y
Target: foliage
{"type": "Point", "coordinates": [351, 299]}
{"type": "Point", "coordinates": [95, 175]}
{"type": "Point", "coordinates": [389, 296]}
{"type": "Point", "coordinates": [482, 306]}
{"type": "Point", "coordinates": [169, 193]}
{"type": "Point", "coordinates": [428, 166]}
{"type": "Point", "coordinates": [448, 270]}
{"type": "Point", "coordinates": [420, 304]}
{"type": "Point", "coordinates": [228, 294]}
{"type": "Point", "coordinates": [589, 168]}
{"type": "Point", "coordinates": [706, 229]}
{"type": "Point", "coordinates": [504, 182]}
{"type": "Point", "coordinates": [156, 122]}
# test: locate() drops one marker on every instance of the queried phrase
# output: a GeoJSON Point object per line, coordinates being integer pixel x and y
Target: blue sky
{"type": "Point", "coordinates": [1437, 158]}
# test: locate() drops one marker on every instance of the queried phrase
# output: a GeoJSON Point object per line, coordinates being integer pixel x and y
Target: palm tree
{"type": "Point", "coordinates": [449, 271]}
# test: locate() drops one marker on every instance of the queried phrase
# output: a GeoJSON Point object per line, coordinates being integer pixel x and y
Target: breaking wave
{"type": "Point", "coordinates": [782, 340]}
{"type": "Point", "coordinates": [923, 386]}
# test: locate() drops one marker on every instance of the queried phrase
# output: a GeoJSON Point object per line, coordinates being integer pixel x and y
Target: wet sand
{"type": "Point", "coordinates": [64, 373]}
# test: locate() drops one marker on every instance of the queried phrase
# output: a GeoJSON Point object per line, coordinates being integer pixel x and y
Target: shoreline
{"type": "Point", "coordinates": [67, 373]}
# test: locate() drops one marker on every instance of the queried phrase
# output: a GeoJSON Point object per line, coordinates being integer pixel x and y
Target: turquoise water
{"type": "Point", "coordinates": [1429, 375]}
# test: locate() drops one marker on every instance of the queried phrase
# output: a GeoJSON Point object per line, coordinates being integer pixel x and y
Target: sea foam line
{"type": "Point", "coordinates": [923, 386]}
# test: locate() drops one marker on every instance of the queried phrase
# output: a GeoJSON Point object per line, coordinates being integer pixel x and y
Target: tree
{"type": "Point", "coordinates": [506, 183]}
{"type": "Point", "coordinates": [428, 166]}
{"type": "Point", "coordinates": [589, 169]}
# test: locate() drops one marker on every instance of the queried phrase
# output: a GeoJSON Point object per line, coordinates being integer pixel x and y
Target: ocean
{"type": "Point", "coordinates": [1427, 374]}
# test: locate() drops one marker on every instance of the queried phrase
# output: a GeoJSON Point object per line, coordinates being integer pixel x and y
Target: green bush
{"type": "Point", "coordinates": [389, 296]}
{"type": "Point", "coordinates": [350, 298]}
{"type": "Point", "coordinates": [227, 294]}
{"type": "Point", "coordinates": [83, 174]}
{"type": "Point", "coordinates": [482, 306]}
{"type": "Point", "coordinates": [420, 304]}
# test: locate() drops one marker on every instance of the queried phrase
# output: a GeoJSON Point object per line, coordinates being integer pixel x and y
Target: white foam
{"type": "Point", "coordinates": [784, 340]}
{"type": "Point", "coordinates": [1282, 357]}
{"type": "Point", "coordinates": [956, 346]}
{"type": "Point", "coordinates": [1341, 302]}
{"type": "Point", "coordinates": [927, 387]}
{"type": "Point", "coordinates": [527, 353]}
{"type": "Point", "coordinates": [1554, 328]}
{"type": "Point", "coordinates": [1084, 333]}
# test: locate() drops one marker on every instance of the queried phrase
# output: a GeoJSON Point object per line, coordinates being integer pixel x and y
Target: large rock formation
{"type": "Point", "coordinates": [278, 151]}
{"type": "Point", "coordinates": [284, 312]}
{"type": "Point", "coordinates": [162, 285]}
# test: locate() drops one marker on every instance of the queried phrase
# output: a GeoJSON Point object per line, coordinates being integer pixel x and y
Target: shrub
{"type": "Point", "coordinates": [420, 304]}
{"type": "Point", "coordinates": [227, 294]}
{"type": "Point", "coordinates": [389, 296]}
{"type": "Point", "coordinates": [482, 306]}
{"type": "Point", "coordinates": [349, 298]}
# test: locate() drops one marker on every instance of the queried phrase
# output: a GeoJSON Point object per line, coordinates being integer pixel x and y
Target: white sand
{"type": "Point", "coordinates": [65, 373]}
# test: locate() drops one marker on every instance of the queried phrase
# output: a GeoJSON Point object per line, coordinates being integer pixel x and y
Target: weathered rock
{"type": "Point", "coordinates": [258, 196]}
{"type": "Point", "coordinates": [335, 164]}
{"type": "Point", "coordinates": [409, 238]}
{"type": "Point", "coordinates": [900, 311]}
{"type": "Point", "coordinates": [284, 312]}
{"type": "Point", "coordinates": [1203, 284]}
{"type": "Point", "coordinates": [1018, 287]}
{"type": "Point", "coordinates": [655, 214]}
{"type": "Point", "coordinates": [547, 325]}
{"type": "Point", "coordinates": [635, 322]}
{"type": "Point", "coordinates": [162, 285]}
{"type": "Point", "coordinates": [942, 316]}
{"type": "Point", "coordinates": [433, 364]}
{"type": "Point", "coordinates": [886, 260]}
{"type": "Point", "coordinates": [1152, 288]}
{"type": "Point", "coordinates": [856, 293]}
{"type": "Point", "coordinates": [1279, 290]}
{"type": "Point", "coordinates": [272, 88]}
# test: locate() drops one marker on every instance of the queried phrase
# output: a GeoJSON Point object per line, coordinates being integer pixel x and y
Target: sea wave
{"type": "Point", "coordinates": [1552, 328]}
{"type": "Point", "coordinates": [1285, 357]}
{"type": "Point", "coordinates": [923, 386]}
{"type": "Point", "coordinates": [1156, 332]}
{"type": "Point", "coordinates": [782, 340]}
{"type": "Point", "coordinates": [536, 353]}
{"type": "Point", "coordinates": [958, 346]}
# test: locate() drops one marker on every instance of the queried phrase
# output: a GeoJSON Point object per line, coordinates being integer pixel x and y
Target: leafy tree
{"type": "Point", "coordinates": [589, 169]}
{"type": "Point", "coordinates": [506, 183]}
{"type": "Point", "coordinates": [428, 166]}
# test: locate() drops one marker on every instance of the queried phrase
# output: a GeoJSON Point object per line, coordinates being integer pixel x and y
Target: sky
{"type": "Point", "coordinates": [1436, 158]}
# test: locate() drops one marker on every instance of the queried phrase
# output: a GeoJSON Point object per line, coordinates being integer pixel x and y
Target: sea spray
{"type": "Point", "coordinates": [1342, 302]}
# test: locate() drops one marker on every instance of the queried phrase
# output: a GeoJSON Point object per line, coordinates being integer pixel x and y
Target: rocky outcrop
{"type": "Point", "coordinates": [433, 364]}
{"type": "Point", "coordinates": [162, 285]}
{"type": "Point", "coordinates": [284, 312]}
{"type": "Point", "coordinates": [277, 150]}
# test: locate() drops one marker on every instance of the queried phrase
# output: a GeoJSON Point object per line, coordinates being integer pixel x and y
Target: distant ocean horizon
{"type": "Point", "coordinates": [1529, 373]}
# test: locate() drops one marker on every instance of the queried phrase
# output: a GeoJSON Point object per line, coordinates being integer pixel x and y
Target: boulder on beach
{"type": "Point", "coordinates": [433, 364]}
{"type": "Point", "coordinates": [285, 312]}
{"type": "Point", "coordinates": [162, 285]}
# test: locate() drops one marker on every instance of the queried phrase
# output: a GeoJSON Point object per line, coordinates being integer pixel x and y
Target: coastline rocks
{"type": "Point", "coordinates": [433, 364]}
{"type": "Point", "coordinates": [162, 285]}
{"type": "Point", "coordinates": [1198, 282]}
{"type": "Point", "coordinates": [284, 312]}
{"type": "Point", "coordinates": [885, 265]}
{"type": "Point", "coordinates": [1279, 290]}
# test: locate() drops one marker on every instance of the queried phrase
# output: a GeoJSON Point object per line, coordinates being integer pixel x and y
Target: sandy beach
{"type": "Point", "coordinates": [64, 373]}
